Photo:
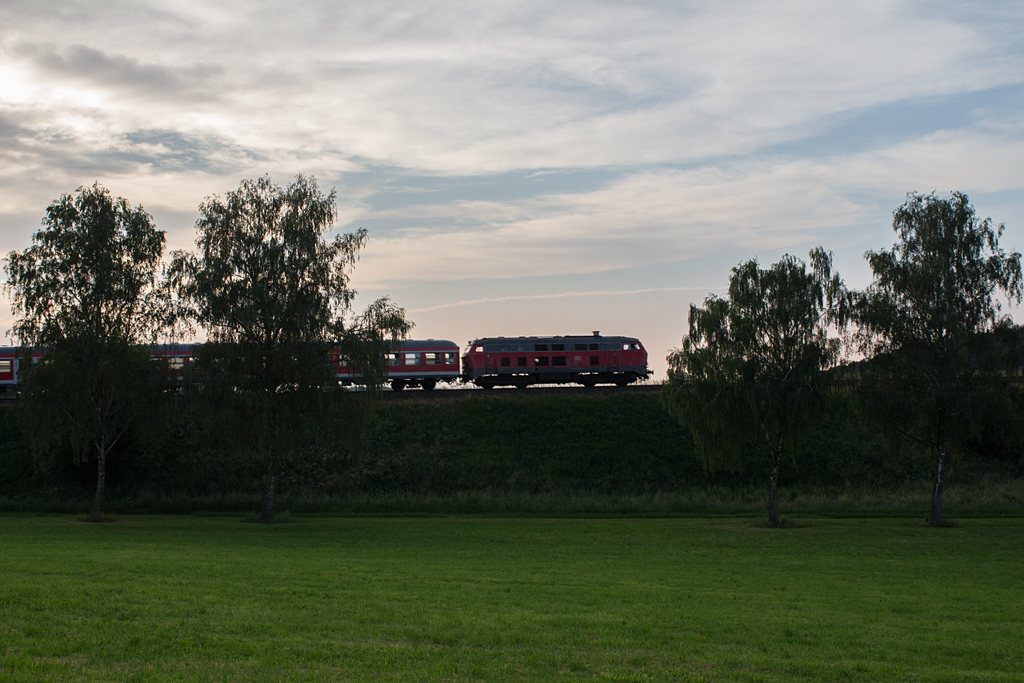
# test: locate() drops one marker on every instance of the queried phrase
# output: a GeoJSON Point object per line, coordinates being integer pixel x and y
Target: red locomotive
{"type": "Point", "coordinates": [586, 360]}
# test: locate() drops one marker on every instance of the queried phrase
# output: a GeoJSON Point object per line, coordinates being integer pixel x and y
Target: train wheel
{"type": "Point", "coordinates": [428, 384]}
{"type": "Point", "coordinates": [397, 385]}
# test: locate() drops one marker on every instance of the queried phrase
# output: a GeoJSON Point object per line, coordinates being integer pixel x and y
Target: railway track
{"type": "Point", "coordinates": [455, 394]}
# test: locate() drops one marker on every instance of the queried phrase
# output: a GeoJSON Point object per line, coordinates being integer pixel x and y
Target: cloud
{"type": "Point", "coordinates": [558, 295]}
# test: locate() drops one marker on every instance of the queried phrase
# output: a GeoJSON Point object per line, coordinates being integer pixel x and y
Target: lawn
{"type": "Point", "coordinates": [492, 599]}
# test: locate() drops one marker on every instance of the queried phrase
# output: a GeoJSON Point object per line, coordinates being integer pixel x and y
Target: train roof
{"type": "Point", "coordinates": [429, 344]}
{"type": "Point", "coordinates": [573, 339]}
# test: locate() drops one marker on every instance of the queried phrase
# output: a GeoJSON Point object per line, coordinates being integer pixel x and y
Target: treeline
{"type": "Point", "coordinates": [940, 363]}
{"type": "Point", "coordinates": [267, 287]}
{"type": "Point", "coordinates": [791, 379]}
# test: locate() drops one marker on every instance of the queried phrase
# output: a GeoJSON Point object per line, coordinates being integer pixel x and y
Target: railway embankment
{"type": "Point", "coordinates": [586, 451]}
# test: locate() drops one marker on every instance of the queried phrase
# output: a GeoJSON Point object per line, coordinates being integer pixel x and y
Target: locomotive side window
{"type": "Point", "coordinates": [505, 362]}
{"type": "Point", "coordinates": [540, 361]}
{"type": "Point", "coordinates": [540, 347]}
{"type": "Point", "coordinates": [503, 348]}
{"type": "Point", "coordinates": [595, 360]}
{"type": "Point", "coordinates": [432, 358]}
{"type": "Point", "coordinates": [580, 347]}
{"type": "Point", "coordinates": [449, 358]}
{"type": "Point", "coordinates": [521, 361]}
{"type": "Point", "coordinates": [412, 359]}
{"type": "Point", "coordinates": [558, 360]}
{"type": "Point", "coordinates": [558, 347]}
{"type": "Point", "coordinates": [593, 347]}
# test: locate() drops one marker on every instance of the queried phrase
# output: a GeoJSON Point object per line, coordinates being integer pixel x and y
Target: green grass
{"type": "Point", "coordinates": [491, 599]}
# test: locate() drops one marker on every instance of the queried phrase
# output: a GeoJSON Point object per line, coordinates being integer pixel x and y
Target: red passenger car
{"type": "Point", "coordinates": [174, 357]}
{"type": "Point", "coordinates": [416, 363]}
{"type": "Point", "coordinates": [586, 360]}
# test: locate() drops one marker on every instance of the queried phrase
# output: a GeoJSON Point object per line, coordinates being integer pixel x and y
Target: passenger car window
{"type": "Point", "coordinates": [449, 358]}
{"type": "Point", "coordinates": [5, 366]}
{"type": "Point", "coordinates": [393, 359]}
{"type": "Point", "coordinates": [412, 359]}
{"type": "Point", "coordinates": [432, 358]}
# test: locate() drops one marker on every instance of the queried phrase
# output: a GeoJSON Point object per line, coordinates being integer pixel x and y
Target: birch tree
{"type": "Point", "coordinates": [926, 322]}
{"type": "Point", "coordinates": [272, 293]}
{"type": "Point", "coordinates": [86, 292]}
{"type": "Point", "coordinates": [749, 372]}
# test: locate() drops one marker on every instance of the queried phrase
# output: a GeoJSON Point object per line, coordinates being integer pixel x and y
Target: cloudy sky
{"type": "Point", "coordinates": [527, 167]}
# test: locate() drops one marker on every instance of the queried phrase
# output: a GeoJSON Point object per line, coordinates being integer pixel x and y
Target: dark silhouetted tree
{"type": "Point", "coordinates": [749, 372]}
{"type": "Point", "coordinates": [930, 323]}
{"type": "Point", "coordinates": [86, 291]}
{"type": "Point", "coordinates": [273, 294]}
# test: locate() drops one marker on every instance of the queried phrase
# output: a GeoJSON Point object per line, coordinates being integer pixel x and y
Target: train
{"type": "Point", "coordinates": [522, 361]}
{"type": "Point", "coordinates": [488, 362]}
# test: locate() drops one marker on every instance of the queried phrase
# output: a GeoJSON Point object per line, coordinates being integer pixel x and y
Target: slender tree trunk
{"type": "Point", "coordinates": [101, 481]}
{"type": "Point", "coordinates": [936, 516]}
{"type": "Point", "coordinates": [773, 484]}
{"type": "Point", "coordinates": [268, 500]}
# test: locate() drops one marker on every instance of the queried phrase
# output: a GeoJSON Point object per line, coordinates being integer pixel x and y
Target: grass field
{"type": "Point", "coordinates": [492, 599]}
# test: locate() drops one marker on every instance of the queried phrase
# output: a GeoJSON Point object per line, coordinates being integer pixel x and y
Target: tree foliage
{"type": "Point", "coordinates": [931, 323]}
{"type": "Point", "coordinates": [749, 371]}
{"type": "Point", "coordinates": [273, 295]}
{"type": "Point", "coordinates": [86, 290]}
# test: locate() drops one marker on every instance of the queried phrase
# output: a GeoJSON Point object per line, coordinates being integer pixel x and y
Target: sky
{"type": "Point", "coordinates": [527, 168]}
